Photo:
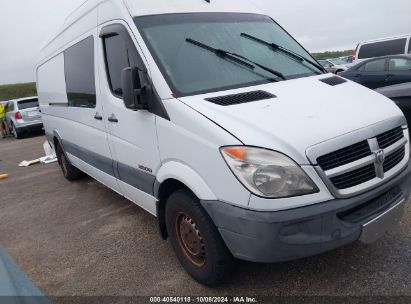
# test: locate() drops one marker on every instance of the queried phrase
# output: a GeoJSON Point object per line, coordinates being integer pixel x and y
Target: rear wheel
{"type": "Point", "coordinates": [16, 133]}
{"type": "Point", "coordinates": [70, 172]}
{"type": "Point", "coordinates": [195, 239]}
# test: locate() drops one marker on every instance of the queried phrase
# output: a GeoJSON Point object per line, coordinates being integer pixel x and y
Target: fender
{"type": "Point", "coordinates": [58, 137]}
{"type": "Point", "coordinates": [187, 176]}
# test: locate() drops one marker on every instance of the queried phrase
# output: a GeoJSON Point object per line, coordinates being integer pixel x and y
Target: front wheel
{"type": "Point", "coordinates": [195, 239]}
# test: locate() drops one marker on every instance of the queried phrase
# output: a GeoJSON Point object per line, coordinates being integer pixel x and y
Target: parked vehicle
{"type": "Point", "coordinates": [215, 120]}
{"type": "Point", "coordinates": [335, 65]}
{"type": "Point", "coordinates": [381, 72]}
{"type": "Point", "coordinates": [401, 95]}
{"type": "Point", "coordinates": [23, 115]}
{"type": "Point", "coordinates": [348, 59]}
{"type": "Point", "coordinates": [397, 45]}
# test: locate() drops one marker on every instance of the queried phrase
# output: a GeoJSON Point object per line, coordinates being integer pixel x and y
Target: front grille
{"type": "Point", "coordinates": [354, 178]}
{"type": "Point", "coordinates": [394, 159]}
{"type": "Point", "coordinates": [344, 156]}
{"type": "Point", "coordinates": [361, 162]}
{"type": "Point", "coordinates": [388, 138]}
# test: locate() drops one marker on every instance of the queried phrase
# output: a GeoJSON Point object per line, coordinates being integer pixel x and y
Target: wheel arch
{"type": "Point", "coordinates": [174, 176]}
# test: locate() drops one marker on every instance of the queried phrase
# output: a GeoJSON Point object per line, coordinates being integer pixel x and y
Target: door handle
{"type": "Point", "coordinates": [390, 75]}
{"type": "Point", "coordinates": [112, 118]}
{"type": "Point", "coordinates": [358, 75]}
{"type": "Point", "coordinates": [98, 116]}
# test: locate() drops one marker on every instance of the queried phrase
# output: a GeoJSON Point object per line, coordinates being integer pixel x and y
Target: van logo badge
{"type": "Point", "coordinates": [379, 157]}
{"type": "Point", "coordinates": [379, 163]}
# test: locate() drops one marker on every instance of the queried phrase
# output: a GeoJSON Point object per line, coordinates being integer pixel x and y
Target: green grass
{"type": "Point", "coordinates": [332, 54]}
{"type": "Point", "coordinates": [19, 90]}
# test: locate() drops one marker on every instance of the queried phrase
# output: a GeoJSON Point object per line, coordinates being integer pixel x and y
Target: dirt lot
{"type": "Point", "coordinates": [83, 239]}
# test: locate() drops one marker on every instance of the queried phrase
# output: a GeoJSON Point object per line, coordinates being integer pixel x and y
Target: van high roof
{"type": "Point", "coordinates": [158, 7]}
{"type": "Point", "coordinates": [386, 38]}
{"type": "Point", "coordinates": [155, 7]}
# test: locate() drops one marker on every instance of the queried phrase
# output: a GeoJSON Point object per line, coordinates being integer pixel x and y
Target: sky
{"type": "Point", "coordinates": [318, 25]}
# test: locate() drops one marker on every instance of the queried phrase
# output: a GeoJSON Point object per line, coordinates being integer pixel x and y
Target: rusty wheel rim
{"type": "Point", "coordinates": [190, 239]}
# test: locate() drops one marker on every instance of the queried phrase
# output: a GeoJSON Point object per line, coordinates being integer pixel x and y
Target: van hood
{"type": "Point", "coordinates": [305, 112]}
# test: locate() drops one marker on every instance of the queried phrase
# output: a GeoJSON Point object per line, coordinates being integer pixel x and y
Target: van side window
{"type": "Point", "coordinates": [383, 48]}
{"type": "Point", "coordinates": [120, 53]}
{"type": "Point", "coordinates": [409, 46]}
{"type": "Point", "coordinates": [116, 61]}
{"type": "Point", "coordinates": [79, 71]}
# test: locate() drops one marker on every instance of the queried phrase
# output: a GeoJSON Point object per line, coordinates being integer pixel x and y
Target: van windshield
{"type": "Point", "coordinates": [190, 69]}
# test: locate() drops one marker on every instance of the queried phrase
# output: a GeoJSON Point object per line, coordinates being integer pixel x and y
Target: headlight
{"type": "Point", "coordinates": [267, 173]}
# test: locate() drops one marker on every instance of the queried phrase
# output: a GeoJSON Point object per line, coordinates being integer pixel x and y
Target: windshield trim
{"type": "Point", "coordinates": [178, 94]}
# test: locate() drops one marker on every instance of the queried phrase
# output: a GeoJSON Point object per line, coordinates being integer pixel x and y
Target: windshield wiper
{"type": "Point", "coordinates": [277, 47]}
{"type": "Point", "coordinates": [236, 58]}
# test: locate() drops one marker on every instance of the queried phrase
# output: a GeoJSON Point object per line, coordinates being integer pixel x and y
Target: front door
{"type": "Point", "coordinates": [372, 74]}
{"type": "Point", "coordinates": [132, 134]}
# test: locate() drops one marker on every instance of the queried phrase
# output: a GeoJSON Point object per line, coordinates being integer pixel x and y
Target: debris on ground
{"type": "Point", "coordinates": [45, 160]}
{"type": "Point", "coordinates": [27, 163]}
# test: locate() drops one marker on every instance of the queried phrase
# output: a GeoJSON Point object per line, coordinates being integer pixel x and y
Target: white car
{"type": "Point", "coordinates": [215, 120]}
{"type": "Point", "coordinates": [335, 65]}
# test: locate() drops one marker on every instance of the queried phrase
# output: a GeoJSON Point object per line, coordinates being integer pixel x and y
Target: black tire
{"type": "Point", "coordinates": [16, 133]}
{"type": "Point", "coordinates": [202, 253]}
{"type": "Point", "coordinates": [70, 172]}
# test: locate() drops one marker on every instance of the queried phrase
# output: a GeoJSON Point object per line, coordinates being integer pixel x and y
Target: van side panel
{"type": "Point", "coordinates": [84, 138]}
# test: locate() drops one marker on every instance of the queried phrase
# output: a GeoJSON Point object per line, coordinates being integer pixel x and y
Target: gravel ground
{"type": "Point", "coordinates": [81, 238]}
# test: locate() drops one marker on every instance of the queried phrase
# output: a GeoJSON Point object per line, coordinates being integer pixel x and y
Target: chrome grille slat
{"type": "Point", "coordinates": [355, 177]}
{"type": "Point", "coordinates": [351, 166]}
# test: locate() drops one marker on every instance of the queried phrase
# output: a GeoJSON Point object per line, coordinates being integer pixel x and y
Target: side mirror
{"type": "Point", "coordinates": [133, 92]}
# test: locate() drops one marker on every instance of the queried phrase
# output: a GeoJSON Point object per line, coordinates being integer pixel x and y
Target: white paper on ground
{"type": "Point", "coordinates": [48, 159]}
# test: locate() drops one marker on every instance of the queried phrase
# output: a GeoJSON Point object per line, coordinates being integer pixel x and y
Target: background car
{"type": "Point", "coordinates": [381, 72]}
{"type": "Point", "coordinates": [397, 45]}
{"type": "Point", "coordinates": [401, 95]}
{"type": "Point", "coordinates": [23, 115]}
{"type": "Point", "coordinates": [335, 65]}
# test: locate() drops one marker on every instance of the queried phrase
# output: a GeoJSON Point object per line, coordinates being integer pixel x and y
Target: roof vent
{"type": "Point", "coordinates": [234, 99]}
{"type": "Point", "coordinates": [333, 80]}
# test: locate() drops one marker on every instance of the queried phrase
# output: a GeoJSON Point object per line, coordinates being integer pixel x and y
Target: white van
{"type": "Point", "coordinates": [215, 120]}
{"type": "Point", "coordinates": [397, 45]}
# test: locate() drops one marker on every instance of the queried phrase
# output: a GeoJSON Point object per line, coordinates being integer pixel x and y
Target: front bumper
{"type": "Point", "coordinates": [291, 234]}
